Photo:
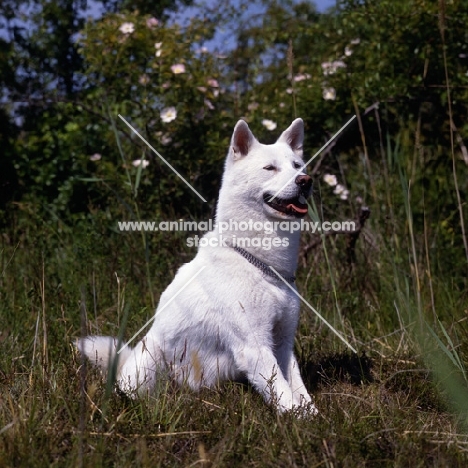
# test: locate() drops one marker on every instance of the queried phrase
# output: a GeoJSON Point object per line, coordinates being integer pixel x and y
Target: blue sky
{"type": "Point", "coordinates": [324, 4]}
{"type": "Point", "coordinates": [225, 39]}
{"type": "Point", "coordinates": [321, 5]}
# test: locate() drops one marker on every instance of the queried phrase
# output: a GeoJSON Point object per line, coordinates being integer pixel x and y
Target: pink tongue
{"type": "Point", "coordinates": [296, 208]}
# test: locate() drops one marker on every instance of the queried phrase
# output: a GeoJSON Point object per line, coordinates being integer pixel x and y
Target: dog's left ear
{"type": "Point", "coordinates": [294, 136]}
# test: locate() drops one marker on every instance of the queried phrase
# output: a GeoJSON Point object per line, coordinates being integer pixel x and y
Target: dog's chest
{"type": "Point", "coordinates": [269, 302]}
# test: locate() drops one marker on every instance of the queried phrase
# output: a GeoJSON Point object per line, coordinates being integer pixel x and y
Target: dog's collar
{"type": "Point", "coordinates": [263, 267]}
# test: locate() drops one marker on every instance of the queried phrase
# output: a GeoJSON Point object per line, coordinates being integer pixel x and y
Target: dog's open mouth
{"type": "Point", "coordinates": [292, 206]}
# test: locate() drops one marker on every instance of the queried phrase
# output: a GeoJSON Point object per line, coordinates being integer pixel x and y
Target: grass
{"type": "Point", "coordinates": [401, 401]}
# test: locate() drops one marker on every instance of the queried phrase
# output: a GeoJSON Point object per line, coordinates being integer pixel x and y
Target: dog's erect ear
{"type": "Point", "coordinates": [242, 140]}
{"type": "Point", "coordinates": [294, 136]}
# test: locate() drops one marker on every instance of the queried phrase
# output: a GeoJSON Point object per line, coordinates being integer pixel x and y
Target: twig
{"type": "Point", "coordinates": [460, 141]}
{"type": "Point", "coordinates": [352, 237]}
{"type": "Point", "coordinates": [155, 436]}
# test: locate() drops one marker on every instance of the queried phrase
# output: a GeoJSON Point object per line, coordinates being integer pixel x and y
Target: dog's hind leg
{"type": "Point", "coordinates": [138, 374]}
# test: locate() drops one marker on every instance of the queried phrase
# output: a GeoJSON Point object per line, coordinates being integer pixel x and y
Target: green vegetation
{"type": "Point", "coordinates": [68, 174]}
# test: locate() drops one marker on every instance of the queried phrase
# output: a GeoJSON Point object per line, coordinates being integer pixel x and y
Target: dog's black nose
{"type": "Point", "coordinates": [305, 182]}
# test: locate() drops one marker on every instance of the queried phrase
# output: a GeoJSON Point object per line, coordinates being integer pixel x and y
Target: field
{"type": "Point", "coordinates": [393, 392]}
{"type": "Point", "coordinates": [400, 401]}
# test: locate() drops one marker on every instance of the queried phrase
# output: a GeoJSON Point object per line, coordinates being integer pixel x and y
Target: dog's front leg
{"type": "Point", "coordinates": [264, 373]}
{"type": "Point", "coordinates": [300, 394]}
{"type": "Point", "coordinates": [290, 367]}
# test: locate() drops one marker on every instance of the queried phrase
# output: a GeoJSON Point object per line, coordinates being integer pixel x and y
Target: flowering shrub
{"type": "Point", "coordinates": [167, 86]}
{"type": "Point", "coordinates": [184, 98]}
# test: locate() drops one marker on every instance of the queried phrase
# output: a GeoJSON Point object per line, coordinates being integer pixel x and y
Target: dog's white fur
{"type": "Point", "coordinates": [232, 321]}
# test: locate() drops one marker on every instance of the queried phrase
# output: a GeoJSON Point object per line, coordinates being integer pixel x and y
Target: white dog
{"type": "Point", "coordinates": [227, 314]}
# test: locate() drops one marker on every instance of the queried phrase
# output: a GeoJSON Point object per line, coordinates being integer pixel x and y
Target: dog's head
{"type": "Point", "coordinates": [272, 175]}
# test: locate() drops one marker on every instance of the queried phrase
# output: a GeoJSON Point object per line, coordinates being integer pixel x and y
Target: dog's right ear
{"type": "Point", "coordinates": [242, 140]}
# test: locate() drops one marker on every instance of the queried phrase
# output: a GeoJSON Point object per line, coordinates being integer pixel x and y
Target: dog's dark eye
{"type": "Point", "coordinates": [297, 165]}
{"type": "Point", "coordinates": [270, 168]}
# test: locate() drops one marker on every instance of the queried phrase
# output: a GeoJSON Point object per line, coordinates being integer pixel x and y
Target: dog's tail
{"type": "Point", "coordinates": [103, 352]}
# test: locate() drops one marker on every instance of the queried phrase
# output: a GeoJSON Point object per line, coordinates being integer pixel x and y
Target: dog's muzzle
{"type": "Point", "coordinates": [296, 206]}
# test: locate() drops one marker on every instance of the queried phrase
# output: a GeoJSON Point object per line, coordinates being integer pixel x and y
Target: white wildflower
{"type": "Point", "coordinates": [338, 64]}
{"type": "Point", "coordinates": [178, 68]}
{"type": "Point", "coordinates": [213, 83]}
{"type": "Point", "coordinates": [344, 194]}
{"type": "Point", "coordinates": [301, 77]}
{"type": "Point", "coordinates": [127, 28]}
{"type": "Point", "coordinates": [95, 157]}
{"type": "Point", "coordinates": [269, 124]}
{"type": "Point", "coordinates": [326, 66]}
{"type": "Point", "coordinates": [348, 51]}
{"type": "Point", "coordinates": [168, 114]}
{"type": "Point", "coordinates": [140, 162]}
{"type": "Point", "coordinates": [330, 179]}
{"type": "Point", "coordinates": [152, 23]}
{"type": "Point", "coordinates": [339, 189]}
{"type": "Point", "coordinates": [329, 94]}
{"type": "Point", "coordinates": [355, 41]}
{"type": "Point", "coordinates": [330, 68]}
